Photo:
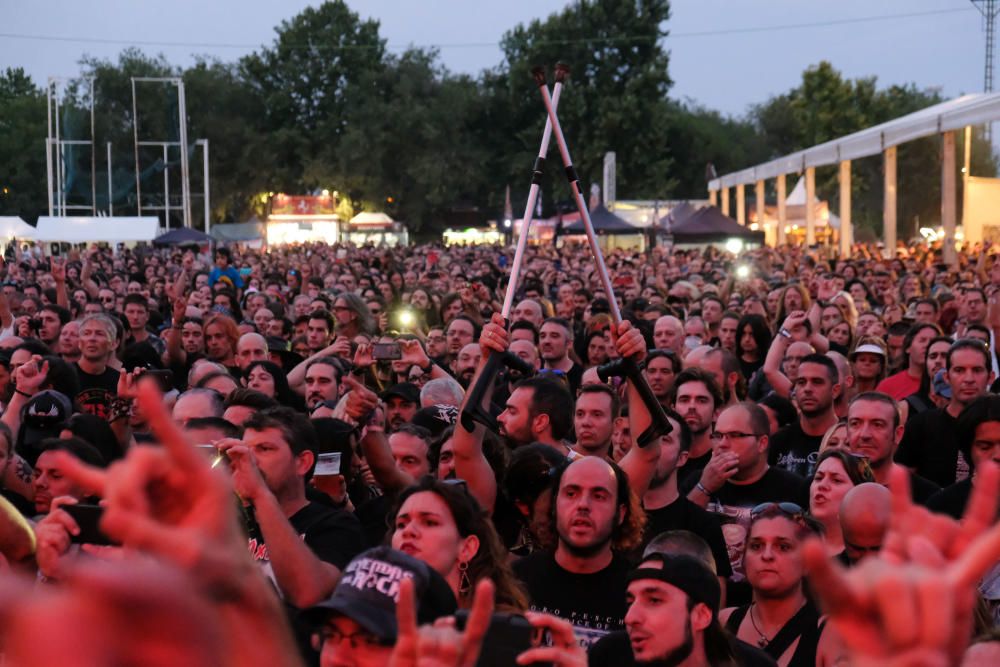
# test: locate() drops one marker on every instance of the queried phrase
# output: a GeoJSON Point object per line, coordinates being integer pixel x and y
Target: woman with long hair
{"type": "Point", "coordinates": [441, 524]}
{"type": "Point", "coordinates": [794, 297]}
{"type": "Point", "coordinates": [837, 472]}
{"type": "Point", "coordinates": [268, 378]}
{"type": "Point", "coordinates": [753, 338]}
{"type": "Point", "coordinates": [781, 619]}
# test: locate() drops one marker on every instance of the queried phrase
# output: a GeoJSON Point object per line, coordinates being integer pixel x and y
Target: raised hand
{"type": "Point", "coordinates": [628, 341]}
{"type": "Point", "coordinates": [441, 644]}
{"type": "Point", "coordinates": [363, 356]}
{"type": "Point", "coordinates": [57, 267]}
{"type": "Point", "coordinates": [30, 377]}
{"type": "Point", "coordinates": [360, 399]}
{"type": "Point", "coordinates": [913, 603]}
{"type": "Point", "coordinates": [719, 469]}
{"type": "Point", "coordinates": [413, 353]}
{"type": "Point", "coordinates": [494, 337]}
{"type": "Point", "coordinates": [565, 650]}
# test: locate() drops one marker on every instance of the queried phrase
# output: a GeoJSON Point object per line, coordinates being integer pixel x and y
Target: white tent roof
{"type": "Point", "coordinates": [371, 219]}
{"type": "Point", "coordinates": [93, 230]}
{"type": "Point", "coordinates": [14, 227]}
{"type": "Point", "coordinates": [798, 195]}
{"type": "Point", "coordinates": [952, 115]}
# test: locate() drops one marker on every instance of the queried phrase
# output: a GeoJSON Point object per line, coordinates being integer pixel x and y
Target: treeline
{"type": "Point", "coordinates": [328, 106]}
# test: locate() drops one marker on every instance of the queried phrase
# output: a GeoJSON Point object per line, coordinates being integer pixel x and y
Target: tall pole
{"type": "Point", "coordinates": [135, 143]}
{"type": "Point", "coordinates": [889, 202]}
{"type": "Point", "coordinates": [948, 198]}
{"type": "Point", "coordinates": [111, 198]}
{"type": "Point", "coordinates": [782, 216]}
{"type": "Point", "coordinates": [989, 10]}
{"type": "Point", "coordinates": [93, 155]}
{"type": "Point", "coordinates": [208, 206]}
{"type": "Point", "coordinates": [48, 141]}
{"type": "Point", "coordinates": [185, 170]}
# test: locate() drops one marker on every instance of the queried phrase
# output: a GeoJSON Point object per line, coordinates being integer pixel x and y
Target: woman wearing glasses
{"type": "Point", "coordinates": [780, 620]}
{"type": "Point", "coordinates": [440, 523]}
{"type": "Point", "coordinates": [837, 472]}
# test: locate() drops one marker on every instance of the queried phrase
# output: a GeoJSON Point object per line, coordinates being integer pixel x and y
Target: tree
{"type": "Point", "coordinates": [22, 146]}
{"type": "Point", "coordinates": [616, 99]}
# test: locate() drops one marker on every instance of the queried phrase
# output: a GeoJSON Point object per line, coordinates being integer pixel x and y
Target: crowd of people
{"type": "Point", "coordinates": [245, 456]}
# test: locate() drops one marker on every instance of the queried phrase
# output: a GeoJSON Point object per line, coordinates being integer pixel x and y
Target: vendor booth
{"type": "Point", "coordinates": [708, 226]}
{"type": "Point", "coordinates": [377, 228]}
{"type": "Point", "coordinates": [302, 219]}
{"type": "Point", "coordinates": [612, 231]}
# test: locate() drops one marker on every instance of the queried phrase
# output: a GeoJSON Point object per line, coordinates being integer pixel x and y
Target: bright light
{"type": "Point", "coordinates": [742, 271]}
{"type": "Point", "coordinates": [928, 233]}
{"type": "Point", "coordinates": [754, 226]}
{"type": "Point", "coordinates": [507, 223]}
{"type": "Point", "coordinates": [734, 245]}
{"type": "Point", "coordinates": [963, 170]}
{"type": "Point", "coordinates": [326, 193]}
{"type": "Point", "coordinates": [959, 235]}
{"type": "Point", "coordinates": [405, 318]}
{"type": "Point", "coordinates": [787, 229]}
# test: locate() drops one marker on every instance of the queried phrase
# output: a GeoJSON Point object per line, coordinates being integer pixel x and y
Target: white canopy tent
{"type": "Point", "coordinates": [97, 230]}
{"type": "Point", "coordinates": [13, 227]}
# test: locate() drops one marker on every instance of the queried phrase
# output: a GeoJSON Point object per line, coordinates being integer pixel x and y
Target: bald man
{"type": "Point", "coordinates": [864, 519]}
{"type": "Point", "coordinates": [668, 334]}
{"type": "Point", "coordinates": [696, 356]}
{"type": "Point", "coordinates": [251, 347]}
{"type": "Point", "coordinates": [530, 311]}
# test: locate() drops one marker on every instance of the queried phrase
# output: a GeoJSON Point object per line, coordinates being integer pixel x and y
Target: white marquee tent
{"type": "Point", "coordinates": [97, 230]}
{"type": "Point", "coordinates": [16, 228]}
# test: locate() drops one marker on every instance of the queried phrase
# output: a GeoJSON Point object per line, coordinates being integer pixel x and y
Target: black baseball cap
{"type": "Point", "coordinates": [404, 390]}
{"type": "Point", "coordinates": [369, 590]}
{"type": "Point", "coordinates": [684, 572]}
{"type": "Point", "coordinates": [436, 418]}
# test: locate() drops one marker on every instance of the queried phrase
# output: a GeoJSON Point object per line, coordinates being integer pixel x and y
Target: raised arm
{"type": "Point", "coordinates": [779, 382]}
{"type": "Point", "coordinates": [640, 462]}
{"type": "Point", "coordinates": [57, 267]}
{"type": "Point", "coordinates": [360, 402]}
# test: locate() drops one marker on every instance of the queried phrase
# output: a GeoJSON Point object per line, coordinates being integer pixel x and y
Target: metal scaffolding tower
{"type": "Point", "coordinates": [989, 10]}
{"type": "Point", "coordinates": [56, 147]}
{"type": "Point", "coordinates": [181, 145]}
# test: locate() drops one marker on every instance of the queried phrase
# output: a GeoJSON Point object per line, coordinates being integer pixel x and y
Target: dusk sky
{"type": "Point", "coordinates": [725, 54]}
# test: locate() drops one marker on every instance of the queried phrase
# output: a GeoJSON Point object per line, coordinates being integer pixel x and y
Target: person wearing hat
{"type": "Point", "coordinates": [401, 404]}
{"type": "Point", "coordinates": [672, 618]}
{"type": "Point", "coordinates": [356, 626]}
{"type": "Point", "coordinates": [869, 359]}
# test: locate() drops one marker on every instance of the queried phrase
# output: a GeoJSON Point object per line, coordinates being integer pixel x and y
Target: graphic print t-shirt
{"type": "Point", "coordinates": [593, 603]}
{"type": "Point", "coordinates": [97, 391]}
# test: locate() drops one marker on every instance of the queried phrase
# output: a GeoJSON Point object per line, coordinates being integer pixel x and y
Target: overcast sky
{"type": "Point", "coordinates": [725, 54]}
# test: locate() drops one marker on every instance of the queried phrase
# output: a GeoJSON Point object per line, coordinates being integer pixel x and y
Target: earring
{"type": "Point", "coordinates": [464, 583]}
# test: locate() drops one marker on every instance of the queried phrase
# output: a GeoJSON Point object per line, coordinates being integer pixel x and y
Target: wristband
{"type": "Point", "coordinates": [785, 332]}
{"type": "Point", "coordinates": [18, 391]}
{"type": "Point", "coordinates": [426, 370]}
{"type": "Point", "coordinates": [701, 487]}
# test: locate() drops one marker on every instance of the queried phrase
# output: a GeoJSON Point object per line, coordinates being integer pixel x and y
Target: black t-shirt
{"type": "Point", "coordinates": [333, 535]}
{"type": "Point", "coordinates": [96, 391]}
{"type": "Point", "coordinates": [793, 450]}
{"type": "Point", "coordinates": [733, 502]}
{"type": "Point", "coordinates": [951, 500]}
{"type": "Point", "coordinates": [575, 376]}
{"type": "Point", "coordinates": [922, 490]}
{"type": "Point", "coordinates": [929, 446]}
{"type": "Point", "coordinates": [593, 603]}
{"type": "Point", "coordinates": [615, 650]}
{"type": "Point", "coordinates": [690, 473]}
{"type": "Point", "coordinates": [682, 514]}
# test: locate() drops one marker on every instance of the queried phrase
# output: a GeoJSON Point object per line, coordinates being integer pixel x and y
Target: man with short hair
{"type": "Point", "coordinates": [437, 343]}
{"type": "Point", "coordinates": [136, 310]}
{"type": "Point", "coordinates": [697, 399]}
{"type": "Point", "coordinates": [583, 578]}
{"type": "Point", "coordinates": [322, 381]}
{"type": "Point", "coordinates": [668, 510]}
{"type": "Point", "coordinates": [251, 347]}
{"type": "Point", "coordinates": [726, 368]}
{"type": "Point", "coordinates": [555, 342]}
{"type": "Point", "coordinates": [537, 410]}
{"type": "Point", "coordinates": [401, 403]}
{"type": "Point", "coordinates": [874, 431]}
{"type": "Point", "coordinates": [738, 477]}
{"type": "Point", "coordinates": [594, 418]}
{"type": "Point", "coordinates": [672, 619]}
{"type": "Point", "coordinates": [411, 446]}
{"type": "Point", "coordinates": [51, 319]}
{"type": "Point", "coordinates": [300, 545]}
{"type": "Point", "coordinates": [727, 331]}
{"type": "Point", "coordinates": [929, 446]}
{"type": "Point", "coordinates": [198, 403]}
{"type": "Point", "coordinates": [668, 334]}
{"type": "Point", "coordinates": [660, 369]}
{"type": "Point", "coordinates": [319, 333]}
{"type": "Point", "coordinates": [98, 381]}
{"type": "Point", "coordinates": [461, 331]}
{"type": "Point", "coordinates": [795, 447]}
{"type": "Point", "coordinates": [465, 364]}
